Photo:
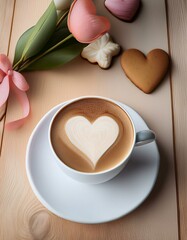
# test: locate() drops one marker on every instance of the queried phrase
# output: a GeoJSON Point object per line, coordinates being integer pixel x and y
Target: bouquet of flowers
{"type": "Point", "coordinates": [59, 36]}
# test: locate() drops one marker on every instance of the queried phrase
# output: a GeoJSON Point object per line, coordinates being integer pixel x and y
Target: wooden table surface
{"type": "Point", "coordinates": [163, 216]}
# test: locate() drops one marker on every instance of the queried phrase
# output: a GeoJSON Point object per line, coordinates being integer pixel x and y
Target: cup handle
{"type": "Point", "coordinates": [144, 137]}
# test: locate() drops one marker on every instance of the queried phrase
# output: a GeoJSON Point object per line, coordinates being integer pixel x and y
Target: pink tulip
{"type": "Point", "coordinates": [83, 22]}
{"type": "Point", "coordinates": [123, 9]}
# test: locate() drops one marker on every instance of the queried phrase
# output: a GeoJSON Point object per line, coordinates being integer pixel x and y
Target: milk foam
{"type": "Point", "coordinates": [93, 139]}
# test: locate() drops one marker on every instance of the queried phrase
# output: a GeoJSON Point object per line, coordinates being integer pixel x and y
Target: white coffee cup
{"type": "Point", "coordinates": [139, 138]}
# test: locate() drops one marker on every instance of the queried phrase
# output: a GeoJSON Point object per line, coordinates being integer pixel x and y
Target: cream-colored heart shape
{"type": "Point", "coordinates": [92, 139]}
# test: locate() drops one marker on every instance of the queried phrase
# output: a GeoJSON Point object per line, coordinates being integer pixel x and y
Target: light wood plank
{"type": "Point", "coordinates": [25, 217]}
{"type": "Point", "coordinates": [6, 14]}
{"type": "Point", "coordinates": [178, 34]}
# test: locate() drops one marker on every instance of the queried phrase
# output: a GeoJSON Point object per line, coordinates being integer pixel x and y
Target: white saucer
{"type": "Point", "coordinates": [86, 203]}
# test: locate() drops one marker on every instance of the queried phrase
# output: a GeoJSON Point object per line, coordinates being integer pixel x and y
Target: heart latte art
{"type": "Point", "coordinates": [92, 135]}
{"type": "Point", "coordinates": [93, 139]}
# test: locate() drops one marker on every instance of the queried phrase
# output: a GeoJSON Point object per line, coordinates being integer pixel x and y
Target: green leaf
{"type": "Point", "coordinates": [60, 33]}
{"type": "Point", "coordinates": [57, 57]}
{"type": "Point", "coordinates": [21, 44]}
{"type": "Point", "coordinates": [41, 32]}
{"type": "Point", "coordinates": [58, 36]}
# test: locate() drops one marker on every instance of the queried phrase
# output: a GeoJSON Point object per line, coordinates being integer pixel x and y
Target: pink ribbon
{"type": "Point", "coordinates": [14, 81]}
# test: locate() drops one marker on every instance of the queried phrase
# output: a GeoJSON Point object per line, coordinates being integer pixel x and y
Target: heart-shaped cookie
{"type": "Point", "coordinates": [146, 72]}
{"type": "Point", "coordinates": [92, 139]}
{"type": "Point", "coordinates": [123, 9]}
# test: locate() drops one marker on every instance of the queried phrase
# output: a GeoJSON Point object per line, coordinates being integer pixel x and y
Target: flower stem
{"type": "Point", "coordinates": [30, 61]}
{"type": "Point", "coordinates": [62, 18]}
{"type": "Point", "coordinates": [15, 67]}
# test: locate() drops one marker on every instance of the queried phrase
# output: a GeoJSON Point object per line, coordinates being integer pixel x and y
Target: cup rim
{"type": "Point", "coordinates": [94, 173]}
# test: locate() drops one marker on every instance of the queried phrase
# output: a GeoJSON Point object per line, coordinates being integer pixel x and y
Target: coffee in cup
{"type": "Point", "coordinates": [92, 138]}
{"type": "Point", "coordinates": [92, 135]}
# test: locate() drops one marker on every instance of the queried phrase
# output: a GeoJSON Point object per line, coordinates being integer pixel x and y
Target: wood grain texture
{"type": "Point", "coordinates": [22, 216]}
{"type": "Point", "coordinates": [177, 20]}
{"type": "Point", "coordinates": [6, 15]}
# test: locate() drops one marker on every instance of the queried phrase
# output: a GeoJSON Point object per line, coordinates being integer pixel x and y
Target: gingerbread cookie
{"type": "Point", "coordinates": [146, 72]}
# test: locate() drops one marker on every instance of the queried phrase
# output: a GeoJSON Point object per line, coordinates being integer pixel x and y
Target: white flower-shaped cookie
{"type": "Point", "coordinates": [101, 51]}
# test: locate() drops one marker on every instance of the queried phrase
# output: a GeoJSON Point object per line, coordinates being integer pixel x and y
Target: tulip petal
{"type": "Point", "coordinates": [4, 90]}
{"type": "Point", "coordinates": [19, 80]}
{"type": "Point", "coordinates": [123, 9]}
{"type": "Point", "coordinates": [83, 22]}
{"type": "Point", "coordinates": [62, 4]}
{"type": "Point", "coordinates": [5, 64]}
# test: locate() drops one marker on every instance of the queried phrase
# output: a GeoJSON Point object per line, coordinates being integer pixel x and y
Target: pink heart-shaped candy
{"type": "Point", "coordinates": [83, 22]}
{"type": "Point", "coordinates": [123, 9]}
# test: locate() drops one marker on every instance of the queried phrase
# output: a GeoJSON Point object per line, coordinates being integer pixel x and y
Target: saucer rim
{"type": "Point", "coordinates": [53, 210]}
